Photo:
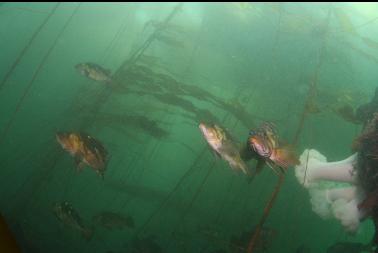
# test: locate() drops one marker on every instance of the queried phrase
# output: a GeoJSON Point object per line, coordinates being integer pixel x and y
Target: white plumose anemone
{"type": "Point", "coordinates": [333, 188]}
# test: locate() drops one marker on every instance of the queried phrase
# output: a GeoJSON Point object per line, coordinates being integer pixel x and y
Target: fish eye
{"type": "Point", "coordinates": [252, 132]}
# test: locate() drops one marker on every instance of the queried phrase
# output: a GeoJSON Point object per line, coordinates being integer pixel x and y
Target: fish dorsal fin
{"type": "Point", "coordinates": [220, 132]}
{"type": "Point", "coordinates": [229, 135]}
{"type": "Point", "coordinates": [79, 163]}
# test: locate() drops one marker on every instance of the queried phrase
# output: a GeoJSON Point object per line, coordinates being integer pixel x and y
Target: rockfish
{"type": "Point", "coordinates": [223, 146]}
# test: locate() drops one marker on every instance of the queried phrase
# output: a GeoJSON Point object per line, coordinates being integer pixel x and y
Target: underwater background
{"type": "Point", "coordinates": [176, 65]}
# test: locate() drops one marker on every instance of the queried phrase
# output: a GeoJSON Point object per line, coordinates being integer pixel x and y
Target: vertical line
{"type": "Point", "coordinates": [30, 84]}
{"type": "Point", "coordinates": [25, 49]}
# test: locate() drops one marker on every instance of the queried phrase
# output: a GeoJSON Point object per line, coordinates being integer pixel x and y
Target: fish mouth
{"type": "Point", "coordinates": [202, 127]}
{"type": "Point", "coordinates": [261, 148]}
{"type": "Point", "coordinates": [254, 143]}
{"type": "Point", "coordinates": [206, 131]}
{"type": "Point", "coordinates": [63, 140]}
{"type": "Point", "coordinates": [253, 140]}
{"type": "Point", "coordinates": [60, 137]}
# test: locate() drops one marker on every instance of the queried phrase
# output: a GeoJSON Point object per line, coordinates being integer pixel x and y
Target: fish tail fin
{"type": "Point", "coordinates": [240, 165]}
{"type": "Point", "coordinates": [250, 177]}
{"type": "Point", "coordinates": [284, 157]}
{"type": "Point", "coordinates": [248, 172]}
{"type": "Point", "coordinates": [87, 233]}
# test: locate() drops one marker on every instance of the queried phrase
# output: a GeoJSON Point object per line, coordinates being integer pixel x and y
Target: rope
{"type": "Point", "coordinates": [30, 84]}
{"type": "Point", "coordinates": [22, 53]}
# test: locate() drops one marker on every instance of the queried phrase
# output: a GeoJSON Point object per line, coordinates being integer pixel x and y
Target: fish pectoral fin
{"type": "Point", "coordinates": [285, 157]}
{"type": "Point", "coordinates": [79, 164]}
{"type": "Point", "coordinates": [101, 173]}
{"type": "Point", "coordinates": [86, 72]}
{"type": "Point", "coordinates": [87, 233]}
{"type": "Point", "coordinates": [234, 166]}
{"type": "Point", "coordinates": [274, 168]}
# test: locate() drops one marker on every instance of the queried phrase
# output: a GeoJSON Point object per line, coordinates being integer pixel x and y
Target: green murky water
{"type": "Point", "coordinates": [173, 66]}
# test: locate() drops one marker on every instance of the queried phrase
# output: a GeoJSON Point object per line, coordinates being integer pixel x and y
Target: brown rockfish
{"type": "Point", "coordinates": [70, 217]}
{"type": "Point", "coordinates": [264, 141]}
{"type": "Point", "coordinates": [94, 71]}
{"type": "Point", "coordinates": [85, 149]}
{"type": "Point", "coordinates": [223, 146]}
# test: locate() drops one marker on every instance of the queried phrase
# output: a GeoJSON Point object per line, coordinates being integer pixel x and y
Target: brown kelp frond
{"type": "Point", "coordinates": [138, 122]}
{"type": "Point", "coordinates": [344, 21]}
{"type": "Point", "coordinates": [346, 112]}
{"type": "Point", "coordinates": [170, 41]}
